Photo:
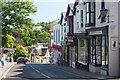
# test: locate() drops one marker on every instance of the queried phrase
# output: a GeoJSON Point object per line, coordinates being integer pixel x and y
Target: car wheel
{"type": "Point", "coordinates": [24, 62]}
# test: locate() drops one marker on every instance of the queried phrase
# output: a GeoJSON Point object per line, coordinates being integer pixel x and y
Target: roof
{"type": "Point", "coordinates": [62, 14]}
{"type": "Point", "coordinates": [70, 7]}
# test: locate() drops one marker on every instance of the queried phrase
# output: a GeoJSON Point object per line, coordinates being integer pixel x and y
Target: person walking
{"type": "Point", "coordinates": [51, 59]}
{"type": "Point", "coordinates": [2, 61]}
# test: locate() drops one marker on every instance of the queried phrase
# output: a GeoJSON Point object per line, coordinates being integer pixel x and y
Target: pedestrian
{"type": "Point", "coordinates": [2, 61]}
{"type": "Point", "coordinates": [10, 59]}
{"type": "Point", "coordinates": [51, 59]}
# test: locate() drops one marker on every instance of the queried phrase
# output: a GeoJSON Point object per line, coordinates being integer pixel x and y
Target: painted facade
{"type": "Point", "coordinates": [56, 43]}
{"type": "Point", "coordinates": [92, 36]}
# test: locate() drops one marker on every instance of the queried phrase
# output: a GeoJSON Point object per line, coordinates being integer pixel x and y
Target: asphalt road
{"type": "Point", "coordinates": [39, 71]}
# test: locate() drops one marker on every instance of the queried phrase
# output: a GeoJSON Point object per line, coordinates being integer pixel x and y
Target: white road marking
{"type": "Point", "coordinates": [39, 71]}
{"type": "Point", "coordinates": [45, 75]}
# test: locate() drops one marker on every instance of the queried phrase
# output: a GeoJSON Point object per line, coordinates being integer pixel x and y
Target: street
{"type": "Point", "coordinates": [37, 70]}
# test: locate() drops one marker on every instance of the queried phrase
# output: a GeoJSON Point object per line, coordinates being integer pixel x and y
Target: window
{"type": "Point", "coordinates": [77, 25]}
{"type": "Point", "coordinates": [92, 48]}
{"type": "Point", "coordinates": [58, 35]}
{"type": "Point", "coordinates": [103, 4]}
{"type": "Point", "coordinates": [81, 43]}
{"type": "Point", "coordinates": [81, 18]}
{"type": "Point", "coordinates": [90, 14]}
{"type": "Point", "coordinates": [64, 24]}
{"type": "Point", "coordinates": [82, 54]}
{"type": "Point", "coordinates": [54, 36]}
{"type": "Point", "coordinates": [104, 51]}
{"type": "Point", "coordinates": [99, 50]}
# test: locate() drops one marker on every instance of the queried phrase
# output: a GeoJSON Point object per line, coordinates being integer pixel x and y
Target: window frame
{"type": "Point", "coordinates": [88, 11]}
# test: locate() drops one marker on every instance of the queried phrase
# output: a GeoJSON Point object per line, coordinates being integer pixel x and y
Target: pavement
{"type": "Point", "coordinates": [5, 69]}
{"type": "Point", "coordinates": [85, 73]}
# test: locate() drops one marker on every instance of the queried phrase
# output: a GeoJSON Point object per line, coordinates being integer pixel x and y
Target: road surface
{"type": "Point", "coordinates": [40, 71]}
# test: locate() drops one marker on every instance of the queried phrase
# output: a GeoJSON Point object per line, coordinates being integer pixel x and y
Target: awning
{"type": "Point", "coordinates": [57, 47]}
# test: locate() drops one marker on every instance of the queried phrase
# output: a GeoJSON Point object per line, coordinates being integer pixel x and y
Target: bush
{"type": "Point", "coordinates": [20, 52]}
{"type": "Point", "coordinates": [38, 57]}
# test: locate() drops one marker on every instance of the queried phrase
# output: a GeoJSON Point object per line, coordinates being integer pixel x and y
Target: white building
{"type": "Point", "coordinates": [103, 37]}
{"type": "Point", "coordinates": [57, 42]}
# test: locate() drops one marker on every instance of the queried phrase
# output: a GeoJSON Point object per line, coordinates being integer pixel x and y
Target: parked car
{"type": "Point", "coordinates": [21, 60]}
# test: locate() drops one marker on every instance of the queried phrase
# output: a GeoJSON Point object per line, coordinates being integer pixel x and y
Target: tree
{"type": "Point", "coordinates": [20, 52]}
{"type": "Point", "coordinates": [29, 49]}
{"type": "Point", "coordinates": [15, 15]}
{"type": "Point", "coordinates": [43, 37]}
{"type": "Point", "coordinates": [7, 40]}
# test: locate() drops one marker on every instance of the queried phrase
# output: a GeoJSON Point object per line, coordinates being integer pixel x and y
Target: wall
{"type": "Point", "coordinates": [77, 17]}
{"type": "Point", "coordinates": [113, 34]}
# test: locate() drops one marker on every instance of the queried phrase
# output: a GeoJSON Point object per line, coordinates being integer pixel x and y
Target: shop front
{"type": "Point", "coordinates": [98, 45]}
{"type": "Point", "coordinates": [70, 51]}
{"type": "Point", "coordinates": [82, 53]}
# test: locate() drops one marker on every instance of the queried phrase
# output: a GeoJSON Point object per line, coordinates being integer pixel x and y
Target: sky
{"type": "Point", "coordinates": [49, 10]}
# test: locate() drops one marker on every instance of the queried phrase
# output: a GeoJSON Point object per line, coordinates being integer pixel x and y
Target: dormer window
{"type": "Point", "coordinates": [90, 14]}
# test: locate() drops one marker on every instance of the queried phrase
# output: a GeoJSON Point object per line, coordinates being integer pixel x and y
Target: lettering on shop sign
{"type": "Point", "coordinates": [95, 32]}
{"type": "Point", "coordinates": [70, 40]}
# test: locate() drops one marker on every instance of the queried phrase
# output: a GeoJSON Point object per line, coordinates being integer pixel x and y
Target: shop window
{"type": "Point", "coordinates": [104, 52]}
{"type": "Point", "coordinates": [92, 46]}
{"type": "Point", "coordinates": [82, 54]}
{"type": "Point", "coordinates": [82, 43]}
{"type": "Point", "coordinates": [98, 50]}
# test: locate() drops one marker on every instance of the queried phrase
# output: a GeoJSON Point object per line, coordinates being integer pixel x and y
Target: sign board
{"type": "Point", "coordinates": [95, 32]}
{"type": "Point", "coordinates": [114, 43]}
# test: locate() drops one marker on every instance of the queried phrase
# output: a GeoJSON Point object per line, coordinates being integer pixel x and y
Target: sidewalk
{"type": "Point", "coordinates": [5, 69]}
{"type": "Point", "coordinates": [84, 73]}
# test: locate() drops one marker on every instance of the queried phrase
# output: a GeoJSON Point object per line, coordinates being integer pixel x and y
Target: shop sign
{"type": "Point", "coordinates": [114, 43]}
{"type": "Point", "coordinates": [70, 40]}
{"type": "Point", "coordinates": [95, 32]}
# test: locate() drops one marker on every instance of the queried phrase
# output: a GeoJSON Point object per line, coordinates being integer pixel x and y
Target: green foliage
{"type": "Point", "coordinates": [15, 15]}
{"type": "Point", "coordinates": [17, 27]}
{"type": "Point", "coordinates": [45, 26]}
{"type": "Point", "coordinates": [6, 40]}
{"type": "Point", "coordinates": [43, 37]}
{"type": "Point", "coordinates": [38, 57]}
{"type": "Point", "coordinates": [11, 53]}
{"type": "Point", "coordinates": [29, 49]}
{"type": "Point", "coordinates": [20, 52]}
